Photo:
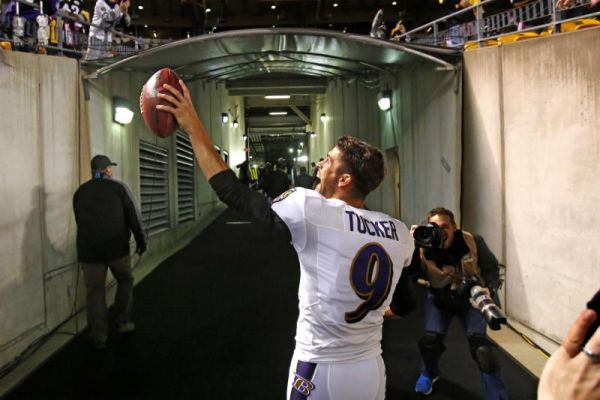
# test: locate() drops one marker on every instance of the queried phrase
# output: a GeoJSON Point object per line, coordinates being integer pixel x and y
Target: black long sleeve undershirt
{"type": "Point", "coordinates": [403, 299]}
{"type": "Point", "coordinates": [241, 198]}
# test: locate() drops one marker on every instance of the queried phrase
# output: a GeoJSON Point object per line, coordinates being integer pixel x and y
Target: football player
{"type": "Point", "coordinates": [351, 260]}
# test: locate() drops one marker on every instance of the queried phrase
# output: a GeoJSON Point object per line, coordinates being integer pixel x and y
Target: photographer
{"type": "Point", "coordinates": [450, 266]}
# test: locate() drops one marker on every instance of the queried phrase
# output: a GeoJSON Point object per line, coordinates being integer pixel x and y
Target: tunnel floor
{"type": "Point", "coordinates": [217, 321]}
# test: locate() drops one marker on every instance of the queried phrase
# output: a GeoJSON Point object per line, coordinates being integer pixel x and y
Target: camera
{"type": "Point", "coordinates": [472, 287]}
{"type": "Point", "coordinates": [429, 235]}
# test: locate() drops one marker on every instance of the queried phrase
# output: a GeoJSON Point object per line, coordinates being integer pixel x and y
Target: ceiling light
{"type": "Point", "coordinates": [208, 10]}
{"type": "Point", "coordinates": [335, 4]}
{"type": "Point", "coordinates": [394, 3]}
{"type": "Point", "coordinates": [224, 118]}
{"type": "Point", "coordinates": [273, 7]}
{"type": "Point", "coordinates": [278, 113]}
{"type": "Point", "coordinates": [384, 100]}
{"type": "Point", "coordinates": [278, 97]}
{"type": "Point", "coordinates": [323, 117]}
{"type": "Point", "coordinates": [291, 150]}
{"type": "Point", "coordinates": [145, 26]}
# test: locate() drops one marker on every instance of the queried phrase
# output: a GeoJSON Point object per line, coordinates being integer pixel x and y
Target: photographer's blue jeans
{"type": "Point", "coordinates": [472, 322]}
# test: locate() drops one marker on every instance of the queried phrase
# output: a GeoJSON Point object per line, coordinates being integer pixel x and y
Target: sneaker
{"type": "Point", "coordinates": [126, 327]}
{"type": "Point", "coordinates": [425, 384]}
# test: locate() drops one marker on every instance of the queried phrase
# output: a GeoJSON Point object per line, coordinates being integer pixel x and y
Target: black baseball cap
{"type": "Point", "coordinates": [100, 162]}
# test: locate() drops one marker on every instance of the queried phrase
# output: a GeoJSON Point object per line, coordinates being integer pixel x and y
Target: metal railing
{"type": "Point", "coordinates": [63, 32]}
{"type": "Point", "coordinates": [534, 16]}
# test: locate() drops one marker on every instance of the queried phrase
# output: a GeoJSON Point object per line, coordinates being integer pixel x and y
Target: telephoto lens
{"type": "Point", "coordinates": [492, 313]}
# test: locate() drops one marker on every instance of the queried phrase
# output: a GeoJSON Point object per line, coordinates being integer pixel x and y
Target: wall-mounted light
{"type": "Point", "coordinates": [323, 117]}
{"type": "Point", "coordinates": [313, 135]}
{"type": "Point", "coordinates": [245, 137]}
{"type": "Point", "coordinates": [224, 118]}
{"type": "Point", "coordinates": [235, 124]}
{"type": "Point", "coordinates": [122, 113]}
{"type": "Point", "coordinates": [384, 100]}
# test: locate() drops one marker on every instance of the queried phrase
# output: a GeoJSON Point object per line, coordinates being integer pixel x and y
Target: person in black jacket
{"type": "Point", "coordinates": [277, 182]}
{"type": "Point", "coordinates": [106, 215]}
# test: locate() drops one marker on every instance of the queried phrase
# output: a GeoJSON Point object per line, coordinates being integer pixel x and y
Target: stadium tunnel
{"type": "Point", "coordinates": [337, 76]}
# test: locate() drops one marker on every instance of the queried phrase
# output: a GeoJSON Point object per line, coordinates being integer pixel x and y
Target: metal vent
{"type": "Point", "coordinates": [185, 179]}
{"type": "Point", "coordinates": [154, 187]}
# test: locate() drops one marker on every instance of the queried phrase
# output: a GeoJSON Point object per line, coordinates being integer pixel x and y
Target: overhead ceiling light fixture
{"type": "Point", "coordinates": [278, 113]}
{"type": "Point", "coordinates": [208, 9]}
{"type": "Point", "coordinates": [145, 26]}
{"type": "Point", "coordinates": [273, 7]}
{"type": "Point", "coordinates": [384, 100]}
{"type": "Point", "coordinates": [323, 117]}
{"type": "Point", "coordinates": [140, 7]}
{"type": "Point", "coordinates": [278, 97]}
{"type": "Point", "coordinates": [394, 3]}
{"type": "Point", "coordinates": [335, 5]}
{"type": "Point", "coordinates": [291, 150]}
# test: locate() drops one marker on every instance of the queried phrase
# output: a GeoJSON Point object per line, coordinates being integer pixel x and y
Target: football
{"type": "Point", "coordinates": [163, 124]}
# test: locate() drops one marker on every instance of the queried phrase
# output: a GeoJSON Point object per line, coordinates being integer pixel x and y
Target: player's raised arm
{"type": "Point", "coordinates": [183, 110]}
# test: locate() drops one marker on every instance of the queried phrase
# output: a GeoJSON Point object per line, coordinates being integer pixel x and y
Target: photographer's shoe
{"type": "Point", "coordinates": [424, 384]}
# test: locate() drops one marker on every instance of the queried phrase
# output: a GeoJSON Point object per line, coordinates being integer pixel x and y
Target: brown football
{"type": "Point", "coordinates": [161, 123]}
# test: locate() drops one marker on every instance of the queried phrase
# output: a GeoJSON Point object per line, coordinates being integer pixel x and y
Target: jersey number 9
{"type": "Point", "coordinates": [371, 278]}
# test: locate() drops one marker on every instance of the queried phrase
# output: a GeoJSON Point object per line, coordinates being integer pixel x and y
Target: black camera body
{"type": "Point", "coordinates": [472, 288]}
{"type": "Point", "coordinates": [429, 236]}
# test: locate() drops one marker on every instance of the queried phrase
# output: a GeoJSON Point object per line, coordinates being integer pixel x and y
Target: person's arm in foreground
{"type": "Point", "coordinates": [570, 374]}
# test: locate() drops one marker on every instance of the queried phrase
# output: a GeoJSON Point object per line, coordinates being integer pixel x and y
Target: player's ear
{"type": "Point", "coordinates": [345, 180]}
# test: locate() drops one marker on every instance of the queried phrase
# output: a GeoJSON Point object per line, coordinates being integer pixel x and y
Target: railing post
{"type": "Point", "coordinates": [435, 33]}
{"type": "Point", "coordinates": [478, 25]}
{"type": "Point", "coordinates": [553, 26]}
{"type": "Point", "coordinates": [60, 32]}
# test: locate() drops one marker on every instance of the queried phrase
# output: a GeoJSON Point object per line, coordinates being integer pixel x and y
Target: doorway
{"type": "Point", "coordinates": [393, 164]}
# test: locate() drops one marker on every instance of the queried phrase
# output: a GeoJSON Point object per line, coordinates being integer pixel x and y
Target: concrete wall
{"type": "Point", "coordinates": [424, 125]}
{"type": "Point", "coordinates": [39, 160]}
{"type": "Point", "coordinates": [532, 147]}
{"type": "Point", "coordinates": [50, 132]}
{"type": "Point", "coordinates": [423, 128]}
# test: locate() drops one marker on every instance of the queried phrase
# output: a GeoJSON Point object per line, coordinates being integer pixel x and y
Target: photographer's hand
{"type": "Point", "coordinates": [571, 374]}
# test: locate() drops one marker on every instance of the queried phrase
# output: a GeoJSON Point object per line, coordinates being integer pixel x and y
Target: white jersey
{"type": "Point", "coordinates": [350, 261]}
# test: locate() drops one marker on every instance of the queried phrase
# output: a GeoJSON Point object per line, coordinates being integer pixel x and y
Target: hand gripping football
{"type": "Point", "coordinates": [161, 123]}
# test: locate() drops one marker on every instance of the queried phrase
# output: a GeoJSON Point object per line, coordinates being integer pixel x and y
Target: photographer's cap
{"type": "Point", "coordinates": [100, 162]}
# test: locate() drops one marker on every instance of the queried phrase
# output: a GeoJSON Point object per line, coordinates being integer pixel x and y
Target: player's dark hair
{"type": "Point", "coordinates": [363, 161]}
